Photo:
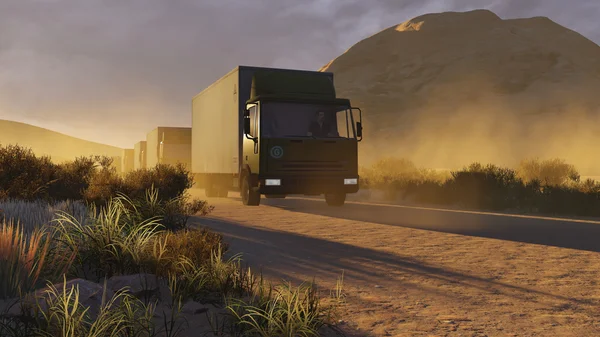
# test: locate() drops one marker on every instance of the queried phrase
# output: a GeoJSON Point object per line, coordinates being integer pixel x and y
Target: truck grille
{"type": "Point", "coordinates": [311, 165]}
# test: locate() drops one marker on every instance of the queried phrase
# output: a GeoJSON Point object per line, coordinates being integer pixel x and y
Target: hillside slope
{"type": "Point", "coordinates": [47, 142]}
{"type": "Point", "coordinates": [450, 88]}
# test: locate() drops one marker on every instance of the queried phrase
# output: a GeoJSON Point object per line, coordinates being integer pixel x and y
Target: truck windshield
{"type": "Point", "coordinates": [283, 120]}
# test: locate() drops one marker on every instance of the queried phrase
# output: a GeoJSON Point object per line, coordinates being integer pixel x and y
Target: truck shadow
{"type": "Point", "coordinates": [563, 233]}
{"type": "Point", "coordinates": [297, 258]}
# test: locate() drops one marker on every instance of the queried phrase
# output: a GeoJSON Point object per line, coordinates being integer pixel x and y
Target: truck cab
{"type": "Point", "coordinates": [298, 138]}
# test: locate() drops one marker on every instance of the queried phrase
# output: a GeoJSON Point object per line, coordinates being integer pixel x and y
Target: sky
{"type": "Point", "coordinates": [112, 70]}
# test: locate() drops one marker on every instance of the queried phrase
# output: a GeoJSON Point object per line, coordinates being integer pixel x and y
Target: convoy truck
{"type": "Point", "coordinates": [275, 132]}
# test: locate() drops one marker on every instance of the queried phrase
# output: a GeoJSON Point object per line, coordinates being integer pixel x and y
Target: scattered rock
{"type": "Point", "coordinates": [194, 308]}
{"type": "Point", "coordinates": [10, 307]}
{"type": "Point", "coordinates": [138, 284]}
{"type": "Point", "coordinates": [90, 295]}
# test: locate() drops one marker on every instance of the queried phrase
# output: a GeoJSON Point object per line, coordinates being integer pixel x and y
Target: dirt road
{"type": "Point", "coordinates": [425, 272]}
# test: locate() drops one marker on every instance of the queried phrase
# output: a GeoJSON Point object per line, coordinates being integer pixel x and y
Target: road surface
{"type": "Point", "coordinates": [423, 271]}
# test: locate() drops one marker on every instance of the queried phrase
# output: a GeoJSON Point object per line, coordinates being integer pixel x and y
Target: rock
{"type": "Point", "coordinates": [139, 285]}
{"type": "Point", "coordinates": [90, 295]}
{"type": "Point", "coordinates": [10, 307]}
{"type": "Point", "coordinates": [194, 308]}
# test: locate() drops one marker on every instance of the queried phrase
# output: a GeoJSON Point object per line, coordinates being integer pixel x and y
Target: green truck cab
{"type": "Point", "coordinates": [293, 136]}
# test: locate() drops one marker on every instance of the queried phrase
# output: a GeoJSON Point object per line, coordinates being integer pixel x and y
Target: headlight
{"type": "Point", "coordinates": [273, 182]}
{"type": "Point", "coordinates": [350, 181]}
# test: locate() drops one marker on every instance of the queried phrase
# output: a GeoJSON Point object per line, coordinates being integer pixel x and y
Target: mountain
{"type": "Point", "coordinates": [56, 145]}
{"type": "Point", "coordinates": [447, 89]}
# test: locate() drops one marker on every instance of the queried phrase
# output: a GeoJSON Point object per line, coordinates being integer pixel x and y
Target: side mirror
{"type": "Point", "coordinates": [359, 130]}
{"type": "Point", "coordinates": [247, 126]}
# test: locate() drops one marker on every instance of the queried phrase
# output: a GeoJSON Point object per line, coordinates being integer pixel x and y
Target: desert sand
{"type": "Point", "coordinates": [448, 89]}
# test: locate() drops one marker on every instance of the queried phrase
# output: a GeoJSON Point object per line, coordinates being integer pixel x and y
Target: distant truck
{"type": "Point", "coordinates": [275, 132]}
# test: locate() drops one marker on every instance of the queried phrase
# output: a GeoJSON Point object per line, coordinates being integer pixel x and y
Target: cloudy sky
{"type": "Point", "coordinates": [111, 70]}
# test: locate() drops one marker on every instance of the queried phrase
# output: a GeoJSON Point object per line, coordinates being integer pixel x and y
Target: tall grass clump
{"type": "Point", "coordinates": [60, 313]}
{"type": "Point", "coordinates": [22, 258]}
{"type": "Point", "coordinates": [287, 311]}
{"type": "Point", "coordinates": [113, 242]}
{"type": "Point", "coordinates": [26, 259]}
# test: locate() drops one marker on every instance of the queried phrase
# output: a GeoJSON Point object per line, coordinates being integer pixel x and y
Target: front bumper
{"type": "Point", "coordinates": [307, 184]}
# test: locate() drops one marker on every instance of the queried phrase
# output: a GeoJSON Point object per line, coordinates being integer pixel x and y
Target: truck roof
{"type": "Point", "coordinates": [254, 68]}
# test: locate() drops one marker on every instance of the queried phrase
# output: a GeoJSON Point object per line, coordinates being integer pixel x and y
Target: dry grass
{"type": "Point", "coordinates": [35, 214]}
{"type": "Point", "coordinates": [121, 238]}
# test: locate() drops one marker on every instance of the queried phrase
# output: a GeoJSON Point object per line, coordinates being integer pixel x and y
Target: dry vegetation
{"type": "Point", "coordinates": [551, 187]}
{"type": "Point", "coordinates": [71, 228]}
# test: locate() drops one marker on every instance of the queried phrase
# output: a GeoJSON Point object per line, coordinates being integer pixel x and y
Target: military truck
{"type": "Point", "coordinates": [275, 132]}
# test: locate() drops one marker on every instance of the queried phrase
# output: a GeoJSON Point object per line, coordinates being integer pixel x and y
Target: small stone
{"type": "Point", "coordinates": [194, 308]}
{"type": "Point", "coordinates": [137, 284]}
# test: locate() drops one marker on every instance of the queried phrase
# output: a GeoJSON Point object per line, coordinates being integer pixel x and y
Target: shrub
{"type": "Point", "coordinates": [489, 187]}
{"type": "Point", "coordinates": [73, 178]}
{"type": "Point", "coordinates": [170, 180]}
{"type": "Point", "coordinates": [23, 175]}
{"type": "Point", "coordinates": [195, 245]}
{"type": "Point", "coordinates": [396, 175]}
{"type": "Point", "coordinates": [552, 172]}
{"type": "Point", "coordinates": [172, 213]}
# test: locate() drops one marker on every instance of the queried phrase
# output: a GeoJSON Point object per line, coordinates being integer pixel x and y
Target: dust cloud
{"type": "Point", "coordinates": [449, 89]}
{"type": "Point", "coordinates": [489, 135]}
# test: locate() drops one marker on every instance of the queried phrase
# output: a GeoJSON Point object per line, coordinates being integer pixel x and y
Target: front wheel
{"type": "Point", "coordinates": [250, 195]}
{"type": "Point", "coordinates": [335, 199]}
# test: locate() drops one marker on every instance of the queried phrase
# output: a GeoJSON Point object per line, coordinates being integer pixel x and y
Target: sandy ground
{"type": "Point", "coordinates": [451, 274]}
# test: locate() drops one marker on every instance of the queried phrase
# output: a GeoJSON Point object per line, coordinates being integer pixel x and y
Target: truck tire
{"type": "Point", "coordinates": [250, 196]}
{"type": "Point", "coordinates": [223, 192]}
{"type": "Point", "coordinates": [210, 191]}
{"type": "Point", "coordinates": [335, 199]}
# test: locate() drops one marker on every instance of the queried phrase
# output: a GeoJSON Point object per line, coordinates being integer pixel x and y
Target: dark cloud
{"type": "Point", "coordinates": [111, 70]}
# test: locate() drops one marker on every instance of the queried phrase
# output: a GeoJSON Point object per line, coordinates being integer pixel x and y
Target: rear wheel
{"type": "Point", "coordinates": [210, 191]}
{"type": "Point", "coordinates": [250, 195]}
{"type": "Point", "coordinates": [223, 192]}
{"type": "Point", "coordinates": [335, 199]}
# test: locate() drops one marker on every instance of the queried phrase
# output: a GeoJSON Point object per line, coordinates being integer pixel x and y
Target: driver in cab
{"type": "Point", "coordinates": [320, 128]}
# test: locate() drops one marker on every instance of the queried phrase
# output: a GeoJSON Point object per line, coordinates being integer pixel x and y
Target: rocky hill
{"type": "Point", "coordinates": [451, 88]}
{"type": "Point", "coordinates": [47, 142]}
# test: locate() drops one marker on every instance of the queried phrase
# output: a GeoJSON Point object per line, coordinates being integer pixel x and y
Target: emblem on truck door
{"type": "Point", "coordinates": [276, 152]}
